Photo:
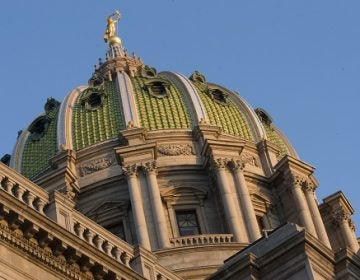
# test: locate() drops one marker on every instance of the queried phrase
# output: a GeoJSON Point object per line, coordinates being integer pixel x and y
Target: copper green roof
{"type": "Point", "coordinates": [166, 112]}
{"type": "Point", "coordinates": [103, 123]}
{"type": "Point", "coordinates": [36, 153]}
{"type": "Point", "coordinates": [227, 116]}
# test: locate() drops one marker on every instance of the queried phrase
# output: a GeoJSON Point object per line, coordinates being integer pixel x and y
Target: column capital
{"type": "Point", "coordinates": [219, 163]}
{"type": "Point", "coordinates": [340, 215]}
{"type": "Point", "coordinates": [237, 164]}
{"type": "Point", "coordinates": [149, 167]}
{"type": "Point", "coordinates": [301, 181]}
{"type": "Point", "coordinates": [308, 186]}
{"type": "Point", "coordinates": [130, 170]}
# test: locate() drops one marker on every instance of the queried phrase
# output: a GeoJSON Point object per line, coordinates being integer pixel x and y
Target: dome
{"type": "Point", "coordinates": [124, 93]}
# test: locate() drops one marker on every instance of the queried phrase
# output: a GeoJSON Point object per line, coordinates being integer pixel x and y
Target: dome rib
{"type": "Point", "coordinates": [252, 119]}
{"type": "Point", "coordinates": [16, 158]}
{"type": "Point", "coordinates": [192, 97]}
{"type": "Point", "coordinates": [64, 129]}
{"type": "Point", "coordinates": [126, 91]}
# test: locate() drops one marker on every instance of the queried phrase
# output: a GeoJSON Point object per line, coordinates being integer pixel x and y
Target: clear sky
{"type": "Point", "coordinates": [299, 60]}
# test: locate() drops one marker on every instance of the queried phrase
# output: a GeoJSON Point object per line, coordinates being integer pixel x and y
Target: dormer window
{"type": "Point", "coordinates": [39, 127]}
{"type": "Point", "coordinates": [263, 116]}
{"type": "Point", "coordinates": [158, 88]}
{"type": "Point", "coordinates": [148, 72]}
{"type": "Point", "coordinates": [218, 96]}
{"type": "Point", "coordinates": [51, 104]}
{"type": "Point", "coordinates": [93, 100]}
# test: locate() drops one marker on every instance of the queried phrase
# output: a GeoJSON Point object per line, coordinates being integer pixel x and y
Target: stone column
{"type": "Point", "coordinates": [156, 205]}
{"type": "Point", "coordinates": [137, 206]}
{"type": "Point", "coordinates": [343, 220]}
{"type": "Point", "coordinates": [234, 220]}
{"type": "Point", "coordinates": [309, 189]}
{"type": "Point", "coordinates": [301, 206]}
{"type": "Point", "coordinates": [245, 201]}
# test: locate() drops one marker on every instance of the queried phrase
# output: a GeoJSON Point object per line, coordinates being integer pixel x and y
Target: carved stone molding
{"type": "Point", "coordinates": [57, 261]}
{"type": "Point", "coordinates": [175, 150]}
{"type": "Point", "coordinates": [130, 170]}
{"type": "Point", "coordinates": [249, 158]}
{"type": "Point", "coordinates": [96, 165]}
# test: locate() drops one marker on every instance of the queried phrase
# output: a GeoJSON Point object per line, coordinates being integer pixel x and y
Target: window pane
{"type": "Point", "coordinates": [187, 222]}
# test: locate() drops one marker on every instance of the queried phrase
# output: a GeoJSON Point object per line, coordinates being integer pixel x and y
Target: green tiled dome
{"type": "Point", "coordinates": [113, 101]}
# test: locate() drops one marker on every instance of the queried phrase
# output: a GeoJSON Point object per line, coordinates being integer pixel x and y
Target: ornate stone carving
{"type": "Point", "coordinates": [340, 215]}
{"type": "Point", "coordinates": [96, 165]}
{"type": "Point", "coordinates": [149, 166]}
{"type": "Point", "coordinates": [219, 163]}
{"type": "Point", "coordinates": [61, 265]}
{"type": "Point", "coordinates": [248, 158]}
{"type": "Point", "coordinates": [69, 191]}
{"type": "Point", "coordinates": [130, 170]}
{"type": "Point", "coordinates": [308, 186]}
{"type": "Point", "coordinates": [175, 150]}
{"type": "Point", "coordinates": [237, 164]}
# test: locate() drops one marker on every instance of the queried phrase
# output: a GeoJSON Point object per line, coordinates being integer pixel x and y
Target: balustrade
{"type": "Point", "coordinates": [198, 240]}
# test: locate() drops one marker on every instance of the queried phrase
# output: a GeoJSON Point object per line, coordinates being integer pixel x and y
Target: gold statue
{"type": "Point", "coordinates": [110, 28]}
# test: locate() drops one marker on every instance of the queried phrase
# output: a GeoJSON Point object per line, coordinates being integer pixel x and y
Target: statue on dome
{"type": "Point", "coordinates": [111, 28]}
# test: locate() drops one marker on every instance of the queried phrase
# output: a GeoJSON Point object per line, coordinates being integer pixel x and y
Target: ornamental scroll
{"type": "Point", "coordinates": [175, 150]}
{"type": "Point", "coordinates": [96, 165]}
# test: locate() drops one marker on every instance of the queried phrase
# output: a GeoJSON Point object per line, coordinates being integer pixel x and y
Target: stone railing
{"type": "Point", "coordinates": [34, 234]}
{"type": "Point", "coordinates": [102, 239]}
{"type": "Point", "coordinates": [23, 189]}
{"type": "Point", "coordinates": [199, 240]}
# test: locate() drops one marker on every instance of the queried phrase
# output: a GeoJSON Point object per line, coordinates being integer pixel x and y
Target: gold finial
{"type": "Point", "coordinates": [110, 35]}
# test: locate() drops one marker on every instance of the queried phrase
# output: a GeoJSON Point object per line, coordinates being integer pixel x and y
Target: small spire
{"type": "Point", "coordinates": [110, 35]}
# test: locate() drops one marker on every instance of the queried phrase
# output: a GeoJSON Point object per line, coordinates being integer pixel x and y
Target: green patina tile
{"type": "Point", "coordinates": [104, 123]}
{"type": "Point", "coordinates": [160, 113]}
{"type": "Point", "coordinates": [228, 117]}
{"type": "Point", "coordinates": [274, 138]}
{"type": "Point", "coordinates": [36, 154]}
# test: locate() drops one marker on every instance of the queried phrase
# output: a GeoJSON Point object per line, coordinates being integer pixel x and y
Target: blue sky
{"type": "Point", "coordinates": [299, 60]}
